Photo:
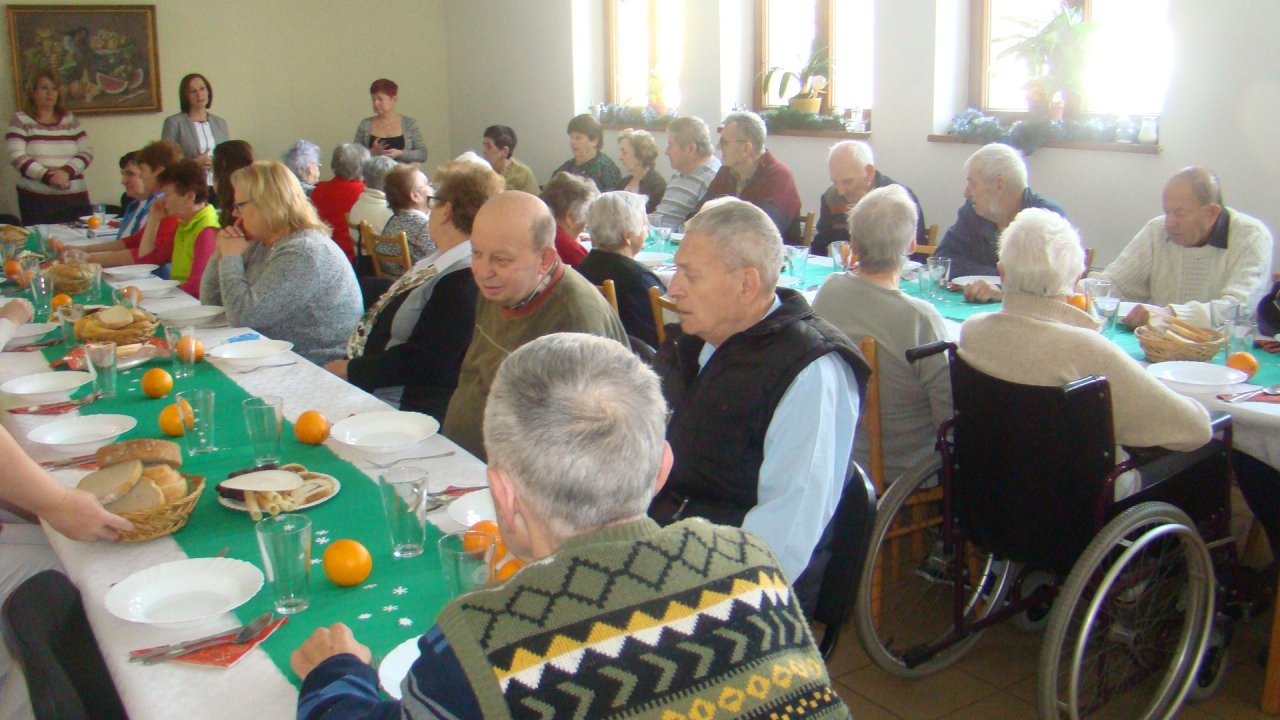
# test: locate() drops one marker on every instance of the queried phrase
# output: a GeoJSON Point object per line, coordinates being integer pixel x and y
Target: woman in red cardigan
{"type": "Point", "coordinates": [333, 198]}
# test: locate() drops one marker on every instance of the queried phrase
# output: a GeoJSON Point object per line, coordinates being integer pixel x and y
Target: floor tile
{"type": "Point", "coordinates": [923, 698]}
{"type": "Point", "coordinates": [861, 708]}
{"type": "Point", "coordinates": [1000, 705]}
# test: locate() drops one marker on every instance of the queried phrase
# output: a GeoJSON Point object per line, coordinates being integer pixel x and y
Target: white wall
{"type": "Point", "coordinates": [281, 70]}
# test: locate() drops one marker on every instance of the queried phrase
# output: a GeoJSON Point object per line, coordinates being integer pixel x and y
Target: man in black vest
{"type": "Point", "coordinates": [763, 393]}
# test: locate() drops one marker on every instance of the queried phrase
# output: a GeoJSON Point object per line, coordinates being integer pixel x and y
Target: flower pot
{"type": "Point", "coordinates": [809, 105]}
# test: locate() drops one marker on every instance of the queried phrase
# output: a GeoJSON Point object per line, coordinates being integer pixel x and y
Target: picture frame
{"type": "Point", "coordinates": [105, 55]}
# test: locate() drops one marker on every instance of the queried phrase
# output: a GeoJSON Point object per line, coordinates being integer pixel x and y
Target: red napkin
{"type": "Point", "coordinates": [227, 654]}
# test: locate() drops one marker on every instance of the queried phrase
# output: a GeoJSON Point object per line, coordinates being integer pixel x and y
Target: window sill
{"type": "Point", "coordinates": [839, 134]}
{"type": "Point", "coordinates": [1132, 148]}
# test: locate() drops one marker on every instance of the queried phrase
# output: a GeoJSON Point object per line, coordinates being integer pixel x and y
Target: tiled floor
{"type": "Point", "coordinates": [997, 681]}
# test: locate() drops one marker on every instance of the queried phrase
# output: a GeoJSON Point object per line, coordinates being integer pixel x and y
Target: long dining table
{"type": "Point", "coordinates": [397, 602]}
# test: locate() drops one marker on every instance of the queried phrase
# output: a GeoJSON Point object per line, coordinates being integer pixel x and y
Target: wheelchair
{"type": "Point", "coordinates": [1014, 519]}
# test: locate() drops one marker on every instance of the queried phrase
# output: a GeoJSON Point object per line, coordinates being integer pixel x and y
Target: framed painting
{"type": "Point", "coordinates": [104, 55]}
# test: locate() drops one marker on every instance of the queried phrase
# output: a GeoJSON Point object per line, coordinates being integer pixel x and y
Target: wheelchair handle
{"type": "Point", "coordinates": [924, 351]}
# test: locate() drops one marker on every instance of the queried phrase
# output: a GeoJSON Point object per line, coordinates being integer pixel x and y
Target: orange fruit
{"type": "Point", "coordinates": [12, 268]}
{"type": "Point", "coordinates": [24, 277]}
{"type": "Point", "coordinates": [94, 222]}
{"type": "Point", "coordinates": [311, 427]}
{"type": "Point", "coordinates": [1079, 300]}
{"type": "Point", "coordinates": [499, 550]}
{"type": "Point", "coordinates": [132, 293]}
{"type": "Point", "coordinates": [1244, 362]}
{"type": "Point", "coordinates": [59, 300]}
{"type": "Point", "coordinates": [507, 569]}
{"type": "Point", "coordinates": [347, 562]}
{"type": "Point", "coordinates": [171, 419]}
{"type": "Point", "coordinates": [190, 349]}
{"type": "Point", "coordinates": [57, 245]}
{"type": "Point", "coordinates": [157, 382]}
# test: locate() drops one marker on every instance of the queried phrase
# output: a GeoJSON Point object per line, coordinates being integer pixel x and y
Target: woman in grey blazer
{"type": "Point", "coordinates": [388, 132]}
{"type": "Point", "coordinates": [196, 130]}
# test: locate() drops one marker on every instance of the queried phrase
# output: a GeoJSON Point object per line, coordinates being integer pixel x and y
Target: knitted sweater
{"type": "Point", "coordinates": [1235, 264]}
{"type": "Point", "coordinates": [35, 149]}
{"type": "Point", "coordinates": [520, 177]}
{"type": "Point", "coordinates": [601, 170]}
{"type": "Point", "coordinates": [772, 188]}
{"type": "Point", "coordinates": [569, 304]}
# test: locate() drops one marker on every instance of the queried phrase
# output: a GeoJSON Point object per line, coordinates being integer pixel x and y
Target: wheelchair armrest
{"type": "Point", "coordinates": [1139, 456]}
{"type": "Point", "coordinates": [924, 351]}
{"type": "Point", "coordinates": [1219, 421]}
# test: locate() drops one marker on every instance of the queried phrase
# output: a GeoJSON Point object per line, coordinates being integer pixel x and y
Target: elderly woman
{"type": "Point", "coordinates": [151, 161]}
{"type": "Point", "coordinates": [189, 245]}
{"type": "Point", "coordinates": [638, 153]}
{"type": "Point", "coordinates": [196, 130]}
{"type": "Point", "coordinates": [136, 200]}
{"type": "Point", "coordinates": [388, 132]}
{"type": "Point", "coordinates": [569, 197]}
{"type": "Point", "coordinates": [333, 198]}
{"type": "Point", "coordinates": [499, 149]}
{"type": "Point", "coordinates": [371, 206]}
{"type": "Point", "coordinates": [303, 160]}
{"type": "Point", "coordinates": [409, 195]}
{"type": "Point", "coordinates": [915, 397]}
{"type": "Point", "coordinates": [276, 270]}
{"type": "Point", "coordinates": [586, 139]}
{"type": "Point", "coordinates": [228, 157]}
{"type": "Point", "coordinates": [51, 152]}
{"type": "Point", "coordinates": [618, 227]}
{"type": "Point", "coordinates": [417, 333]}
{"type": "Point", "coordinates": [1037, 338]}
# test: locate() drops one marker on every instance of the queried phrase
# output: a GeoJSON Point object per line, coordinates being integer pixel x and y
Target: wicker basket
{"type": "Point", "coordinates": [1172, 339]}
{"type": "Point", "coordinates": [166, 519]}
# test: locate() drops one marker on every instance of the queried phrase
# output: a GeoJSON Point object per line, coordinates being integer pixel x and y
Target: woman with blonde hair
{"type": "Point", "coordinates": [276, 269]}
{"type": "Point", "coordinates": [639, 153]}
{"type": "Point", "coordinates": [51, 152]}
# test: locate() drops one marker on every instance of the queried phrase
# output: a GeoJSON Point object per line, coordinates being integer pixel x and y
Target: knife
{"type": "Point", "coordinates": [72, 462]}
{"type": "Point", "coordinates": [34, 346]}
{"type": "Point", "coordinates": [55, 408]}
{"type": "Point", "coordinates": [242, 634]}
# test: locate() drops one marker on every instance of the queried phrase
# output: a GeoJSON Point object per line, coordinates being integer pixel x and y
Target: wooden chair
{"type": "Point", "coordinates": [808, 225]}
{"type": "Point", "coordinates": [369, 239]}
{"type": "Point", "coordinates": [869, 417]}
{"type": "Point", "coordinates": [931, 240]}
{"type": "Point", "coordinates": [610, 293]}
{"type": "Point", "coordinates": [659, 305]}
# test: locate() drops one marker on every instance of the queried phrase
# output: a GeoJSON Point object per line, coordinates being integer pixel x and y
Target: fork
{"type": "Point", "coordinates": [384, 466]}
{"type": "Point", "coordinates": [264, 367]}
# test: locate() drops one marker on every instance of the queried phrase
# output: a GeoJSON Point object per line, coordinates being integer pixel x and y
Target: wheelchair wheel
{"type": "Point", "coordinates": [906, 595]}
{"type": "Point", "coordinates": [1033, 620]}
{"type": "Point", "coordinates": [1130, 625]}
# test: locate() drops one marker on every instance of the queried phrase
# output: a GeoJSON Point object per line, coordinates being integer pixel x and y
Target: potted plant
{"type": "Point", "coordinates": [812, 79]}
{"type": "Point", "coordinates": [1055, 56]}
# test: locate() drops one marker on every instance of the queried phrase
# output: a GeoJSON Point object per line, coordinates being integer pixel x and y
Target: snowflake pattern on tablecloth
{"type": "Point", "coordinates": [322, 541]}
{"type": "Point", "coordinates": [390, 608]}
{"type": "Point", "coordinates": [405, 622]}
{"type": "Point", "coordinates": [316, 561]}
{"type": "Point", "coordinates": [370, 586]}
{"type": "Point", "coordinates": [400, 590]}
{"type": "Point", "coordinates": [364, 616]}
{"type": "Point", "coordinates": [322, 532]}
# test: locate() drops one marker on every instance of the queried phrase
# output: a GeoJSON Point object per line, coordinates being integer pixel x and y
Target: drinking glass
{"type": "Point", "coordinates": [67, 316]}
{"type": "Point", "coordinates": [404, 495]}
{"type": "Point", "coordinates": [1244, 330]}
{"type": "Point", "coordinates": [1094, 288]}
{"type": "Point", "coordinates": [797, 260]}
{"type": "Point", "coordinates": [467, 559]}
{"type": "Point", "coordinates": [195, 407]}
{"type": "Point", "coordinates": [285, 544]}
{"type": "Point", "coordinates": [96, 269]}
{"type": "Point", "coordinates": [182, 366]}
{"type": "Point", "coordinates": [41, 292]}
{"type": "Point", "coordinates": [939, 271]}
{"type": "Point", "coordinates": [100, 211]}
{"type": "Point", "coordinates": [263, 416]}
{"type": "Point", "coordinates": [102, 361]}
{"type": "Point", "coordinates": [839, 252]}
{"type": "Point", "coordinates": [1106, 307]}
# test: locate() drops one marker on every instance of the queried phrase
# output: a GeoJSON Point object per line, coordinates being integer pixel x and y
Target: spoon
{"type": "Point", "coordinates": [384, 466]}
{"type": "Point", "coordinates": [1241, 397]}
{"type": "Point", "coordinates": [165, 654]}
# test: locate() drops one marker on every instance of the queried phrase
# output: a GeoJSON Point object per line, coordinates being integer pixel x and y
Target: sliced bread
{"type": "Point", "coordinates": [170, 482]}
{"type": "Point", "coordinates": [112, 482]}
{"type": "Point", "coordinates": [144, 496]}
{"type": "Point", "coordinates": [148, 450]}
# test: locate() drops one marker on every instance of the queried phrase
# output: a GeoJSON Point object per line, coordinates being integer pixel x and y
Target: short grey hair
{"type": "Point", "coordinates": [569, 196]}
{"type": "Point", "coordinates": [881, 227]}
{"type": "Point", "coordinates": [300, 156]}
{"type": "Point", "coordinates": [579, 424]}
{"type": "Point", "coordinates": [1204, 184]}
{"type": "Point", "coordinates": [998, 160]}
{"type": "Point", "coordinates": [470, 156]}
{"type": "Point", "coordinates": [859, 150]}
{"type": "Point", "coordinates": [743, 237]}
{"type": "Point", "coordinates": [1041, 254]}
{"type": "Point", "coordinates": [348, 159]}
{"type": "Point", "coordinates": [375, 170]}
{"type": "Point", "coordinates": [614, 216]}
{"type": "Point", "coordinates": [751, 126]}
{"type": "Point", "coordinates": [690, 129]}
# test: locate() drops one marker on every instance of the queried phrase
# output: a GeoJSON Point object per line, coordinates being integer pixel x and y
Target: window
{"type": "Point", "coordinates": [646, 48]}
{"type": "Point", "coordinates": [1128, 54]}
{"type": "Point", "coordinates": [790, 32]}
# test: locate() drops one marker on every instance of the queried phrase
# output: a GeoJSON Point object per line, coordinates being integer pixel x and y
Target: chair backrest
{"type": "Point", "coordinates": [370, 240]}
{"type": "Point", "coordinates": [808, 225]}
{"type": "Point", "coordinates": [850, 530]}
{"type": "Point", "coordinates": [46, 630]}
{"type": "Point", "coordinates": [610, 293]}
{"type": "Point", "coordinates": [1088, 258]}
{"type": "Point", "coordinates": [869, 416]}
{"type": "Point", "coordinates": [659, 305]}
{"type": "Point", "coordinates": [931, 236]}
{"type": "Point", "coordinates": [1030, 464]}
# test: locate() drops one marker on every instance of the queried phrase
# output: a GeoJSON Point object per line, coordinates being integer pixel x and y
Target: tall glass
{"type": "Point", "coordinates": [68, 316]}
{"type": "Point", "coordinates": [41, 293]}
{"type": "Point", "coordinates": [404, 498]}
{"type": "Point", "coordinates": [467, 559]}
{"type": "Point", "coordinates": [285, 544]}
{"type": "Point", "coordinates": [195, 407]}
{"type": "Point", "coordinates": [182, 365]}
{"type": "Point", "coordinates": [1244, 330]}
{"type": "Point", "coordinates": [797, 258]}
{"type": "Point", "coordinates": [102, 363]}
{"type": "Point", "coordinates": [939, 272]}
{"type": "Point", "coordinates": [264, 419]}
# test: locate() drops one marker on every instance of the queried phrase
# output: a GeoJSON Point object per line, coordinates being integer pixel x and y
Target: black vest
{"type": "Point", "coordinates": [719, 416]}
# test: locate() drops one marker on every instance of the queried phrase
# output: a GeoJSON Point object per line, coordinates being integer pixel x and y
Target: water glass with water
{"type": "Point", "coordinates": [467, 560]}
{"type": "Point", "coordinates": [285, 544]}
{"type": "Point", "coordinates": [939, 272]}
{"type": "Point", "coordinates": [797, 257]}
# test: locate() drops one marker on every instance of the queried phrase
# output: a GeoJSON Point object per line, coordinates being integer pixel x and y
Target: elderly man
{"type": "Point", "coordinates": [752, 173]}
{"type": "Point", "coordinates": [763, 394]}
{"type": "Point", "coordinates": [574, 428]}
{"type": "Point", "coordinates": [525, 292]}
{"type": "Point", "coordinates": [852, 168]}
{"type": "Point", "coordinates": [689, 150]}
{"type": "Point", "coordinates": [995, 190]}
{"type": "Point", "coordinates": [1198, 251]}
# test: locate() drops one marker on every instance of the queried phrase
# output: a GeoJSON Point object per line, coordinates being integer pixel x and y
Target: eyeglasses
{"type": "Point", "coordinates": [235, 207]}
{"type": "Point", "coordinates": [724, 142]}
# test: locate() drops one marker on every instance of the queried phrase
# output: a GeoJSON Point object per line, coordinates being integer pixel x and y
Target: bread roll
{"type": "Point", "coordinates": [144, 496]}
{"type": "Point", "coordinates": [149, 451]}
{"type": "Point", "coordinates": [112, 482]}
{"type": "Point", "coordinates": [170, 481]}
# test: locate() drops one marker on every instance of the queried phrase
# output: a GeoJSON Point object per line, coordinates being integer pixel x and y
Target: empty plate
{"type": "Point", "coordinates": [1196, 377]}
{"type": "Point", "coordinates": [384, 432]}
{"type": "Point", "coordinates": [195, 315]}
{"type": "Point", "coordinates": [250, 354]}
{"type": "Point", "coordinates": [966, 279]}
{"type": "Point", "coordinates": [82, 434]}
{"type": "Point", "coordinates": [46, 386]}
{"type": "Point", "coordinates": [395, 666]}
{"type": "Point", "coordinates": [184, 591]}
{"type": "Point", "coordinates": [30, 331]}
{"type": "Point", "coordinates": [654, 259]}
{"type": "Point", "coordinates": [472, 508]}
{"type": "Point", "coordinates": [130, 271]}
{"type": "Point", "coordinates": [154, 287]}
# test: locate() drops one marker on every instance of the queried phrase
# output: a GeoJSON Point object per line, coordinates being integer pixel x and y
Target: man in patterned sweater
{"type": "Point", "coordinates": [613, 617]}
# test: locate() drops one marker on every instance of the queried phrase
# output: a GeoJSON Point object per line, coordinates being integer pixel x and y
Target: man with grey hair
{"type": "Point", "coordinates": [575, 431]}
{"type": "Point", "coordinates": [618, 229]}
{"type": "Point", "coordinates": [335, 197]}
{"type": "Point", "coordinates": [371, 206]}
{"type": "Point", "coordinates": [303, 160]}
{"type": "Point", "coordinates": [691, 155]}
{"type": "Point", "coordinates": [764, 394]}
{"type": "Point", "coordinates": [754, 174]}
{"type": "Point", "coordinates": [525, 292]}
{"type": "Point", "coordinates": [852, 167]}
{"type": "Point", "coordinates": [995, 190]}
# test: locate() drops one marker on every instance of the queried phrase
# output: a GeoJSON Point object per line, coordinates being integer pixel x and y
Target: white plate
{"type": "Point", "coordinates": [966, 279]}
{"type": "Point", "coordinates": [472, 508]}
{"type": "Point", "coordinates": [250, 354]}
{"type": "Point", "coordinates": [395, 666]}
{"type": "Point", "coordinates": [384, 432]}
{"type": "Point", "coordinates": [238, 505]}
{"type": "Point", "coordinates": [30, 331]}
{"type": "Point", "coordinates": [128, 360]}
{"type": "Point", "coordinates": [195, 315]}
{"type": "Point", "coordinates": [46, 386]}
{"type": "Point", "coordinates": [909, 269]}
{"type": "Point", "coordinates": [155, 287]}
{"type": "Point", "coordinates": [184, 591]}
{"type": "Point", "coordinates": [82, 434]}
{"type": "Point", "coordinates": [130, 271]}
{"type": "Point", "coordinates": [106, 218]}
{"type": "Point", "coordinates": [654, 259]}
{"type": "Point", "coordinates": [1196, 377]}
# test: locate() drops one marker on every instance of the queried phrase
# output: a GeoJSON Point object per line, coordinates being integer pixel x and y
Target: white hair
{"type": "Point", "coordinates": [743, 236]}
{"type": "Point", "coordinates": [1041, 254]}
{"type": "Point", "coordinates": [751, 126]}
{"type": "Point", "coordinates": [998, 160]}
{"type": "Point", "coordinates": [375, 170]}
{"type": "Point", "coordinates": [579, 424]}
{"type": "Point", "coordinates": [348, 159]}
{"type": "Point", "coordinates": [859, 151]}
{"type": "Point", "coordinates": [470, 156]}
{"type": "Point", "coordinates": [881, 228]}
{"type": "Point", "coordinates": [613, 216]}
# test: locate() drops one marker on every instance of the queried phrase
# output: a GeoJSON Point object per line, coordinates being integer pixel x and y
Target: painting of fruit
{"type": "Point", "coordinates": [105, 55]}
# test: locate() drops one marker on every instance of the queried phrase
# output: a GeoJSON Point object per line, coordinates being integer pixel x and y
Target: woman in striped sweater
{"type": "Point", "coordinates": [51, 152]}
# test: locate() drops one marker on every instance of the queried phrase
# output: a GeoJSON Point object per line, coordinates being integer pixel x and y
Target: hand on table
{"type": "Point", "coordinates": [17, 311]}
{"type": "Point", "coordinates": [1141, 315]}
{"type": "Point", "coordinates": [80, 516]}
{"type": "Point", "coordinates": [981, 291]}
{"type": "Point", "coordinates": [338, 367]}
{"type": "Point", "coordinates": [323, 644]}
{"type": "Point", "coordinates": [231, 241]}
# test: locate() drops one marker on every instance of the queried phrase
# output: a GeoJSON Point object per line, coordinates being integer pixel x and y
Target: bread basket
{"type": "Point", "coordinates": [1169, 338]}
{"type": "Point", "coordinates": [165, 519]}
